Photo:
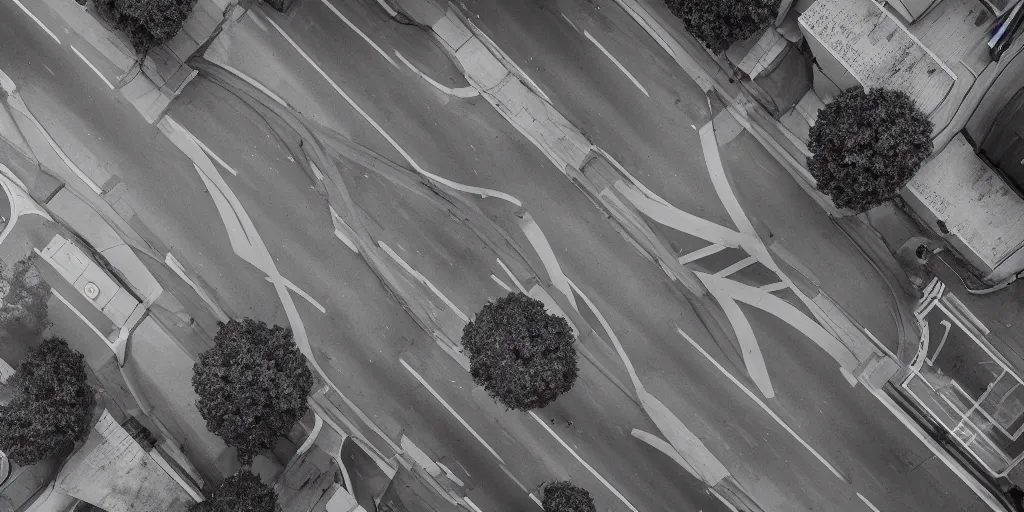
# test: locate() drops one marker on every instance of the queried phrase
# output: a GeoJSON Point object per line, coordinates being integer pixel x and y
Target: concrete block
{"type": "Point", "coordinates": [451, 30]}
{"type": "Point", "coordinates": [106, 286]}
{"type": "Point", "coordinates": [120, 307]}
{"type": "Point", "coordinates": [480, 65]}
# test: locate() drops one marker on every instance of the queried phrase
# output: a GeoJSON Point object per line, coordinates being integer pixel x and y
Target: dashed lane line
{"type": "Point", "coordinates": [617, 63]}
{"type": "Point", "coordinates": [360, 32]}
{"type": "Point", "coordinates": [92, 67]}
{"type": "Point", "coordinates": [37, 20]}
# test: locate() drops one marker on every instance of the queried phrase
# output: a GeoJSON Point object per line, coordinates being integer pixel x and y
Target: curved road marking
{"type": "Point", "coordinates": [617, 64]}
{"type": "Point", "coordinates": [360, 32]}
{"type": "Point", "coordinates": [581, 461]}
{"type": "Point", "coordinates": [38, 22]}
{"type": "Point", "coordinates": [460, 92]}
{"type": "Point", "coordinates": [763, 406]}
{"type": "Point", "coordinates": [298, 291]}
{"type": "Point", "coordinates": [424, 383]}
{"type": "Point", "coordinates": [483, 192]}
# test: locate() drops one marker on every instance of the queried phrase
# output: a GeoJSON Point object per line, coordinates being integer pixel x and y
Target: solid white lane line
{"type": "Point", "coordinates": [700, 253]}
{"type": "Point", "coordinates": [483, 192]}
{"type": "Point", "coordinates": [419, 277]}
{"type": "Point", "coordinates": [581, 461]}
{"type": "Point", "coordinates": [573, 25]}
{"type": "Point", "coordinates": [460, 92]}
{"type": "Point", "coordinates": [472, 505]}
{"type": "Point", "coordinates": [868, 503]}
{"type": "Point", "coordinates": [616, 62]}
{"type": "Point", "coordinates": [536, 500]}
{"type": "Point", "coordinates": [360, 32]}
{"type": "Point", "coordinates": [92, 67]}
{"type": "Point", "coordinates": [78, 313]}
{"type": "Point", "coordinates": [210, 153]}
{"type": "Point", "coordinates": [764, 406]}
{"type": "Point", "coordinates": [501, 283]}
{"type": "Point", "coordinates": [38, 22]}
{"type": "Point", "coordinates": [173, 263]}
{"type": "Point", "coordinates": [424, 383]}
{"type": "Point", "coordinates": [298, 291]}
{"type": "Point", "coordinates": [512, 277]}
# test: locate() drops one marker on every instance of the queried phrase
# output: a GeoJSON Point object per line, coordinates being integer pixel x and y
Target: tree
{"type": "Point", "coordinates": [240, 492]}
{"type": "Point", "coordinates": [23, 314]}
{"type": "Point", "coordinates": [867, 145]}
{"type": "Point", "coordinates": [566, 497]}
{"type": "Point", "coordinates": [720, 23]}
{"type": "Point", "coordinates": [147, 23]}
{"type": "Point", "coordinates": [252, 385]}
{"type": "Point", "coordinates": [52, 405]}
{"type": "Point", "coordinates": [520, 354]}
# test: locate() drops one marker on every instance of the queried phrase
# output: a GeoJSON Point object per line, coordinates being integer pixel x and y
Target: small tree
{"type": "Point", "coordinates": [23, 312]}
{"type": "Point", "coordinates": [147, 23]}
{"type": "Point", "coordinates": [241, 492]}
{"type": "Point", "coordinates": [52, 405]}
{"type": "Point", "coordinates": [867, 145]}
{"type": "Point", "coordinates": [519, 353]}
{"type": "Point", "coordinates": [252, 385]}
{"type": "Point", "coordinates": [720, 23]}
{"type": "Point", "coordinates": [566, 497]}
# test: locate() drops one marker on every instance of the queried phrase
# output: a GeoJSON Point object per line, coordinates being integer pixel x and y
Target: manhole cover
{"type": "Point", "coordinates": [92, 291]}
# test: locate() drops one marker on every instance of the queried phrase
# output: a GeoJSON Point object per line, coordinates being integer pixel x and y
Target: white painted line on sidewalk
{"type": "Point", "coordinates": [79, 313]}
{"type": "Point", "coordinates": [38, 22]}
{"type": "Point", "coordinates": [573, 25]}
{"type": "Point", "coordinates": [868, 503]}
{"type": "Point", "coordinates": [173, 263]}
{"type": "Point", "coordinates": [419, 277]}
{"type": "Point", "coordinates": [472, 505]}
{"type": "Point", "coordinates": [293, 287]}
{"type": "Point", "coordinates": [360, 32]}
{"type": "Point", "coordinates": [700, 253]}
{"type": "Point", "coordinates": [536, 500]}
{"type": "Point", "coordinates": [764, 406]}
{"type": "Point", "coordinates": [616, 62]}
{"type": "Point", "coordinates": [92, 67]}
{"type": "Point", "coordinates": [483, 192]}
{"type": "Point", "coordinates": [460, 92]}
{"type": "Point", "coordinates": [424, 383]}
{"type": "Point", "coordinates": [501, 283]}
{"type": "Point", "coordinates": [581, 461]}
{"type": "Point", "coordinates": [512, 277]}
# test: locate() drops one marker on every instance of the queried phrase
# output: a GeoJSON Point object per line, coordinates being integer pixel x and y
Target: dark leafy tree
{"type": "Point", "coordinates": [566, 497]}
{"type": "Point", "coordinates": [147, 23]}
{"type": "Point", "coordinates": [720, 23]}
{"type": "Point", "coordinates": [52, 405]}
{"type": "Point", "coordinates": [520, 354]}
{"type": "Point", "coordinates": [867, 145]}
{"type": "Point", "coordinates": [252, 385]}
{"type": "Point", "coordinates": [241, 492]}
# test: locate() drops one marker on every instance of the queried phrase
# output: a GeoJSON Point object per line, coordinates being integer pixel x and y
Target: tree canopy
{"type": "Point", "coordinates": [566, 497]}
{"type": "Point", "coordinates": [720, 23]}
{"type": "Point", "coordinates": [52, 405]}
{"type": "Point", "coordinates": [23, 312]}
{"type": "Point", "coordinates": [252, 385]}
{"type": "Point", "coordinates": [147, 23]}
{"type": "Point", "coordinates": [240, 492]}
{"type": "Point", "coordinates": [867, 145]}
{"type": "Point", "coordinates": [520, 354]}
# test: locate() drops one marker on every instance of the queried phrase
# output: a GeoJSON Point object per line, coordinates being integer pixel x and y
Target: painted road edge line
{"type": "Point", "coordinates": [360, 32]}
{"type": "Point", "coordinates": [868, 503]}
{"type": "Point", "coordinates": [617, 63]}
{"type": "Point", "coordinates": [173, 263]}
{"type": "Point", "coordinates": [536, 500]}
{"type": "Point", "coordinates": [424, 383]}
{"type": "Point", "coordinates": [581, 461]}
{"type": "Point", "coordinates": [764, 406]}
{"type": "Point", "coordinates": [38, 22]}
{"type": "Point", "coordinates": [92, 67]}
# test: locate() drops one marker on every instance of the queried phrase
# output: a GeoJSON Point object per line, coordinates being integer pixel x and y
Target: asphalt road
{"type": "Point", "coordinates": [365, 332]}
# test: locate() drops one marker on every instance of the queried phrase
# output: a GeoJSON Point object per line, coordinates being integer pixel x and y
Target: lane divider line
{"type": "Point", "coordinates": [764, 406]}
{"type": "Point", "coordinates": [536, 500]}
{"type": "Point", "coordinates": [571, 24]}
{"type": "Point", "coordinates": [868, 503]}
{"type": "Point", "coordinates": [37, 20]}
{"type": "Point", "coordinates": [483, 192]}
{"type": "Point", "coordinates": [472, 505]}
{"type": "Point", "coordinates": [501, 283]}
{"type": "Point", "coordinates": [617, 64]}
{"type": "Point", "coordinates": [424, 383]}
{"type": "Point", "coordinates": [298, 291]}
{"type": "Point", "coordinates": [419, 277]}
{"type": "Point", "coordinates": [92, 67]}
{"type": "Point", "coordinates": [581, 461]}
{"type": "Point", "coordinates": [360, 32]}
{"type": "Point", "coordinates": [512, 277]}
{"type": "Point", "coordinates": [174, 265]}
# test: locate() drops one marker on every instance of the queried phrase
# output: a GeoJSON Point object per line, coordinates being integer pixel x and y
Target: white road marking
{"type": "Point", "coordinates": [736, 267]}
{"type": "Point", "coordinates": [501, 283]}
{"type": "Point", "coordinates": [700, 253]}
{"type": "Point", "coordinates": [472, 505]}
{"type": "Point", "coordinates": [512, 277]}
{"type": "Point", "coordinates": [256, 19]}
{"type": "Point", "coordinates": [316, 171]}
{"type": "Point", "coordinates": [419, 277]}
{"type": "Point", "coordinates": [616, 62]}
{"type": "Point", "coordinates": [536, 500]}
{"type": "Point", "coordinates": [18, 104]}
{"type": "Point", "coordinates": [450, 474]}
{"type": "Point", "coordinates": [344, 238]}
{"type": "Point", "coordinates": [581, 461]}
{"type": "Point", "coordinates": [360, 32]}
{"type": "Point", "coordinates": [629, 176]}
{"type": "Point", "coordinates": [723, 500]}
{"type": "Point", "coordinates": [253, 82]}
{"type": "Point", "coordinates": [763, 406]}
{"type": "Point", "coordinates": [611, 336]}
{"type": "Point", "coordinates": [79, 314]}
{"type": "Point", "coordinates": [483, 192]}
{"type": "Point", "coordinates": [460, 92]}
{"type": "Point", "coordinates": [868, 503]}
{"type": "Point", "coordinates": [173, 263]}
{"type": "Point", "coordinates": [38, 22]}
{"type": "Point", "coordinates": [293, 287]}
{"type": "Point", "coordinates": [775, 287]}
{"type": "Point", "coordinates": [573, 25]}
{"type": "Point", "coordinates": [343, 231]}
{"type": "Point", "coordinates": [423, 382]}
{"type": "Point", "coordinates": [92, 67]}
{"type": "Point", "coordinates": [210, 152]}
